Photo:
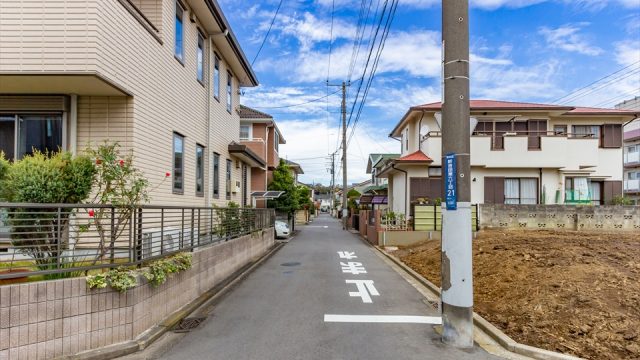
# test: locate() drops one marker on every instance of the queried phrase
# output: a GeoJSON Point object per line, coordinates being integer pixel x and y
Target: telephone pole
{"type": "Point", "coordinates": [344, 156]}
{"type": "Point", "coordinates": [457, 275]}
{"type": "Point", "coordinates": [333, 181]}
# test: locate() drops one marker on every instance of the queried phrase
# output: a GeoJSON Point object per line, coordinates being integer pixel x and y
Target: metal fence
{"type": "Point", "coordinates": [50, 239]}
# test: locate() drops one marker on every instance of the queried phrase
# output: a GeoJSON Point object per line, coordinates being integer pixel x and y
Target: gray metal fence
{"type": "Point", "coordinates": [49, 239]}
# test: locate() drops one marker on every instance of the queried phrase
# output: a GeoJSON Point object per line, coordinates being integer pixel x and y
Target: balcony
{"type": "Point", "coordinates": [522, 151]}
{"type": "Point", "coordinates": [632, 186]}
{"type": "Point", "coordinates": [632, 158]}
{"type": "Point", "coordinates": [256, 145]}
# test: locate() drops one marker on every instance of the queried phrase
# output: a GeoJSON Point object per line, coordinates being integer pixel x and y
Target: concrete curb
{"type": "Point", "coordinates": [496, 334]}
{"type": "Point", "coordinates": [199, 306]}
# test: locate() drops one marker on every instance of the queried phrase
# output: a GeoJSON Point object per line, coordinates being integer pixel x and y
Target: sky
{"type": "Point", "coordinates": [548, 51]}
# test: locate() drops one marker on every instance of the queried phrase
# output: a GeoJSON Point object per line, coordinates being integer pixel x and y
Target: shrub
{"type": "Point", "coordinates": [621, 200]}
{"type": "Point", "coordinates": [44, 178]}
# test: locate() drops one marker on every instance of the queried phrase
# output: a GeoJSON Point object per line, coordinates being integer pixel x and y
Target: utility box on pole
{"type": "Point", "coordinates": [457, 275]}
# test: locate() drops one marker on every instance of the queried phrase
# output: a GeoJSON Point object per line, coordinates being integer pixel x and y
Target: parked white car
{"type": "Point", "coordinates": [282, 229]}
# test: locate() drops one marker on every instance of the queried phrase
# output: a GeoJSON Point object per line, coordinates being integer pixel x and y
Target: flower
{"type": "Point", "coordinates": [91, 213]}
{"type": "Point", "coordinates": [167, 174]}
{"type": "Point", "coordinates": [98, 161]}
{"type": "Point", "coordinates": [121, 163]}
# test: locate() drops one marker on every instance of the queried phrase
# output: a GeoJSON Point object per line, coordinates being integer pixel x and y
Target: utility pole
{"type": "Point", "coordinates": [333, 181]}
{"type": "Point", "coordinates": [457, 275]}
{"type": "Point", "coordinates": [344, 156]}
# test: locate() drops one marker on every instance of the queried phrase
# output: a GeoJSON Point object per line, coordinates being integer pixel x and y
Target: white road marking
{"type": "Point", "coordinates": [347, 255]}
{"type": "Point", "coordinates": [396, 319]}
{"type": "Point", "coordinates": [365, 290]}
{"type": "Point", "coordinates": [354, 268]}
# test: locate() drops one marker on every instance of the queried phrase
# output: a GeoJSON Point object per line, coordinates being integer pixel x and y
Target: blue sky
{"type": "Point", "coordinates": [522, 50]}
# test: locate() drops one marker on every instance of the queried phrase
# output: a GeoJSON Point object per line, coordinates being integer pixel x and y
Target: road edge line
{"type": "Point", "coordinates": [204, 301]}
{"type": "Point", "coordinates": [506, 342]}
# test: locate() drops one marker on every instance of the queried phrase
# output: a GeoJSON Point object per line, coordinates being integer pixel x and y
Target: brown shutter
{"type": "Point", "coordinates": [611, 190]}
{"type": "Point", "coordinates": [494, 190]}
{"type": "Point", "coordinates": [537, 128]}
{"type": "Point", "coordinates": [612, 135]}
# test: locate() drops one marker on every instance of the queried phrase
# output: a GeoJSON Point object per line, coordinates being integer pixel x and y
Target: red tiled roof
{"type": "Point", "coordinates": [599, 111]}
{"type": "Point", "coordinates": [498, 105]}
{"type": "Point", "coordinates": [249, 113]}
{"type": "Point", "coordinates": [415, 157]}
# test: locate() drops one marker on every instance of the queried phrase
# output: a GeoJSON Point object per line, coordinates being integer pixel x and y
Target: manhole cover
{"type": "Point", "coordinates": [188, 324]}
{"type": "Point", "coordinates": [290, 264]}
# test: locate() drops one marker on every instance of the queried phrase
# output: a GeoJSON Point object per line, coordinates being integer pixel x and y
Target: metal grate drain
{"type": "Point", "coordinates": [188, 324]}
{"type": "Point", "coordinates": [290, 264]}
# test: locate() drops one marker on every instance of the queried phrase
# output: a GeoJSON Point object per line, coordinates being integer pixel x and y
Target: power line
{"type": "Point", "coordinates": [268, 31]}
{"type": "Point", "coordinates": [606, 84]}
{"type": "Point", "coordinates": [595, 82]}
{"type": "Point", "coordinates": [619, 97]}
{"type": "Point", "coordinates": [329, 71]}
{"type": "Point", "coordinates": [294, 105]}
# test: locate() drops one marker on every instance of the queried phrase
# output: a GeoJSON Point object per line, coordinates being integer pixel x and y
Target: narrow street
{"type": "Point", "coordinates": [279, 311]}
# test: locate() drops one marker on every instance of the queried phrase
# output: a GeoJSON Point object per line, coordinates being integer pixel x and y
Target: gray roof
{"type": "Point", "coordinates": [249, 113]}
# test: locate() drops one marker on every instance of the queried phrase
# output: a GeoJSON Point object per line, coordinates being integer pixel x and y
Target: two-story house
{"type": "Point", "coordinates": [161, 77]}
{"type": "Point", "coordinates": [261, 135]}
{"type": "Point", "coordinates": [375, 162]}
{"type": "Point", "coordinates": [521, 153]}
{"type": "Point", "coordinates": [631, 160]}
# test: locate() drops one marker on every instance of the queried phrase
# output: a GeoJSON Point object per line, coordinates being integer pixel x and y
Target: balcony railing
{"type": "Point", "coordinates": [632, 158]}
{"type": "Point", "coordinates": [632, 186]}
{"type": "Point", "coordinates": [534, 137]}
{"type": "Point", "coordinates": [47, 239]}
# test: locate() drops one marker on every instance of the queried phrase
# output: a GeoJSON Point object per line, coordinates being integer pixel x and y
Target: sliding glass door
{"type": "Point", "coordinates": [21, 135]}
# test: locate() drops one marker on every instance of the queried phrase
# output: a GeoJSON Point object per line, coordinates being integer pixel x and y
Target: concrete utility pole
{"type": "Point", "coordinates": [344, 156]}
{"type": "Point", "coordinates": [457, 275]}
{"type": "Point", "coordinates": [333, 182]}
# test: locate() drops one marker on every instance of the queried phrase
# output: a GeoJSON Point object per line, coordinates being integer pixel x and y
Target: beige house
{"type": "Point", "coordinates": [161, 77]}
{"type": "Point", "coordinates": [521, 153]}
{"type": "Point", "coordinates": [632, 152]}
{"type": "Point", "coordinates": [261, 135]}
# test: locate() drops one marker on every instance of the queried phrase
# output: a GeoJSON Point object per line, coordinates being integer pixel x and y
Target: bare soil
{"type": "Point", "coordinates": [573, 292]}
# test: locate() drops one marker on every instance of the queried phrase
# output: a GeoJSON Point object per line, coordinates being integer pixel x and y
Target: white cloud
{"type": "Point", "coordinates": [309, 29]}
{"type": "Point", "coordinates": [312, 138]}
{"type": "Point", "coordinates": [567, 38]}
{"type": "Point", "coordinates": [627, 52]}
{"type": "Point", "coordinates": [290, 99]}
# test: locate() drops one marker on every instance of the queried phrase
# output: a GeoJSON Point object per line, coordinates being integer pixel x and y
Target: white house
{"type": "Point", "coordinates": [521, 153]}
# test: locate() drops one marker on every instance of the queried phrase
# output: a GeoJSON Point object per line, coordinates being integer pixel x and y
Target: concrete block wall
{"type": "Point", "coordinates": [48, 319]}
{"type": "Point", "coordinates": [560, 217]}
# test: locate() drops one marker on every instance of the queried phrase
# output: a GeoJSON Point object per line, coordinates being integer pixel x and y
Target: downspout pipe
{"type": "Point", "coordinates": [420, 132]}
{"type": "Point", "coordinates": [406, 186]}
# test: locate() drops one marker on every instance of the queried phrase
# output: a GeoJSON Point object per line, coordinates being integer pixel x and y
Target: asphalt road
{"type": "Point", "coordinates": [278, 312]}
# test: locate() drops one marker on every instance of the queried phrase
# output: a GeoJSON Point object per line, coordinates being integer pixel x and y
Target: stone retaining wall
{"type": "Point", "coordinates": [48, 319]}
{"type": "Point", "coordinates": [560, 217]}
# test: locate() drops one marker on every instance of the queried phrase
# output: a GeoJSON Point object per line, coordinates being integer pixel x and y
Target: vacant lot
{"type": "Point", "coordinates": [572, 292]}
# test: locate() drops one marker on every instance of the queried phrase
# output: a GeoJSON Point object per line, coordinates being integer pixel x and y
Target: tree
{"type": "Point", "coordinates": [304, 197]}
{"type": "Point", "coordinates": [352, 195]}
{"type": "Point", "coordinates": [283, 180]}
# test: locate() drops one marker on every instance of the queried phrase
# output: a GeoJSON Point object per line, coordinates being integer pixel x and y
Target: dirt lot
{"type": "Point", "coordinates": [572, 292]}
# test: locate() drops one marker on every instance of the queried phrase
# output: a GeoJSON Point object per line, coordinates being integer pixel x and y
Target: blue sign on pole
{"type": "Point", "coordinates": [451, 187]}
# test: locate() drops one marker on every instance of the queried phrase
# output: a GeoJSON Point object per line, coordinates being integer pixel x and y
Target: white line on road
{"type": "Point", "coordinates": [398, 319]}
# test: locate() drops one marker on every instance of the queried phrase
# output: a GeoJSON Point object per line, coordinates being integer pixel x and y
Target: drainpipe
{"type": "Point", "coordinates": [540, 187]}
{"type": "Point", "coordinates": [420, 132]}
{"type": "Point", "coordinates": [207, 195]}
{"type": "Point", "coordinates": [406, 186]}
{"type": "Point", "coordinates": [73, 125]}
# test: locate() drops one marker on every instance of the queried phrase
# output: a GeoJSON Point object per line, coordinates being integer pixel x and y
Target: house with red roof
{"type": "Point", "coordinates": [521, 153]}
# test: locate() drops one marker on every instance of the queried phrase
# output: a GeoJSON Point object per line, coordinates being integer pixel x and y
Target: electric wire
{"type": "Point", "coordinates": [268, 31]}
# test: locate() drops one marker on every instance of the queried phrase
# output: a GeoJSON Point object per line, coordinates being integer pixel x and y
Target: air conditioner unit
{"type": "Point", "coordinates": [236, 189]}
{"type": "Point", "coordinates": [161, 241]}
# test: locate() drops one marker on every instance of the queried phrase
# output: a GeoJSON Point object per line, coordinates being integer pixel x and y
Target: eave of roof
{"type": "Point", "coordinates": [251, 113]}
{"type": "Point", "coordinates": [246, 154]}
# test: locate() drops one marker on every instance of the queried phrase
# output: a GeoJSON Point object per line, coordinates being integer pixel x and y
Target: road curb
{"type": "Point", "coordinates": [199, 306]}
{"type": "Point", "coordinates": [496, 334]}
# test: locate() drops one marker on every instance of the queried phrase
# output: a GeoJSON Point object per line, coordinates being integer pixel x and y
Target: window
{"type": "Point", "coordinates": [586, 131]}
{"type": "Point", "coordinates": [245, 184]}
{"type": "Point", "coordinates": [595, 191]}
{"type": "Point", "coordinates": [216, 78]}
{"type": "Point", "coordinates": [178, 163]}
{"type": "Point", "coordinates": [228, 183]}
{"type": "Point", "coordinates": [199, 170]}
{"type": "Point", "coordinates": [216, 175]}
{"type": "Point", "coordinates": [229, 90]}
{"type": "Point", "coordinates": [276, 140]}
{"type": "Point", "coordinates": [435, 171]}
{"type": "Point", "coordinates": [20, 135]}
{"type": "Point", "coordinates": [560, 129]}
{"type": "Point", "coordinates": [179, 33]}
{"type": "Point", "coordinates": [200, 58]}
{"type": "Point", "coordinates": [576, 190]}
{"type": "Point", "coordinates": [245, 131]}
{"type": "Point", "coordinates": [520, 191]}
{"type": "Point", "coordinates": [633, 176]}
{"type": "Point", "coordinates": [406, 139]}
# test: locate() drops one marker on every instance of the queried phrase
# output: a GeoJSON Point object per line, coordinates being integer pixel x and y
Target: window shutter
{"type": "Point", "coordinates": [494, 190]}
{"type": "Point", "coordinates": [611, 135]}
{"type": "Point", "coordinates": [611, 190]}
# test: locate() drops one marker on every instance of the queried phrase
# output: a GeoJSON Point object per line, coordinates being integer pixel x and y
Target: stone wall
{"type": "Point", "coordinates": [48, 319]}
{"type": "Point", "coordinates": [560, 217]}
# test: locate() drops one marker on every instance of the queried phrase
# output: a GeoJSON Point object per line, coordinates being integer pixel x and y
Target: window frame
{"type": "Point", "coordinates": [216, 176]}
{"type": "Point", "coordinates": [200, 169]}
{"type": "Point", "coordinates": [249, 132]}
{"type": "Point", "coordinates": [216, 77]}
{"type": "Point", "coordinates": [177, 191]}
{"type": "Point", "coordinates": [276, 140]}
{"type": "Point", "coordinates": [520, 197]}
{"type": "Point", "coordinates": [179, 56]}
{"type": "Point", "coordinates": [228, 178]}
{"type": "Point", "coordinates": [229, 91]}
{"type": "Point", "coordinates": [200, 49]}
